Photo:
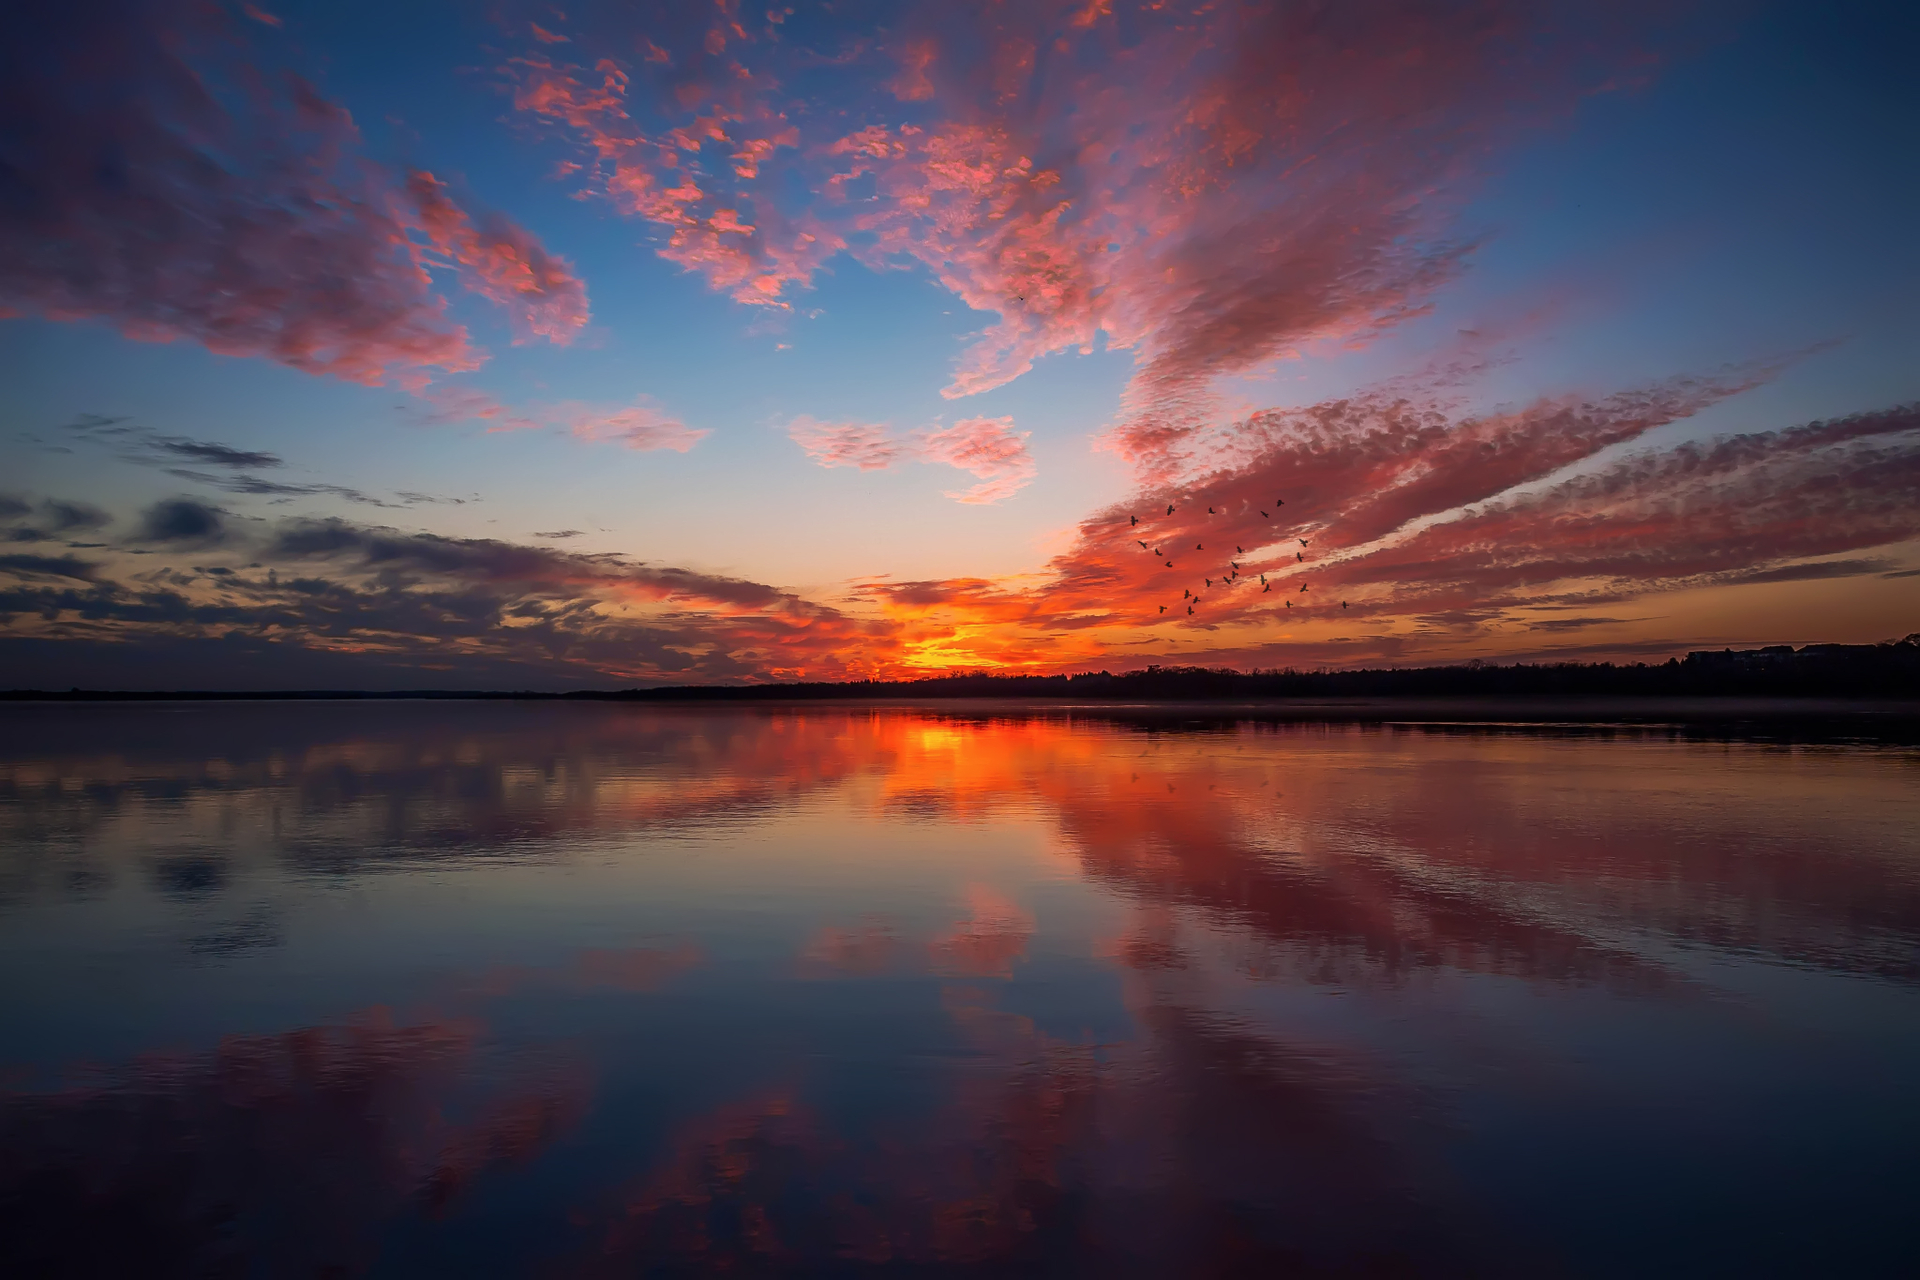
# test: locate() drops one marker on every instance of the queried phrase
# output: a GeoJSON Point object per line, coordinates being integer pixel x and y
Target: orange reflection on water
{"type": "Point", "coordinates": [1383, 851]}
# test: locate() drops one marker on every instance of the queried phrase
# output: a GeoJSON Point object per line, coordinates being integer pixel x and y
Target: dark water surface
{"type": "Point", "coordinates": [552, 990]}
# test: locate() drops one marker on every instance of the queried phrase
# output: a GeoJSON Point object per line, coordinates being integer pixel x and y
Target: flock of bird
{"type": "Point", "coordinates": [1231, 575]}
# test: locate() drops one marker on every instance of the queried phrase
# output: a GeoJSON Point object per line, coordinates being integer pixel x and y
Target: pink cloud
{"type": "Point", "coordinates": [865, 445]}
{"type": "Point", "coordinates": [1226, 187]}
{"type": "Point", "coordinates": [912, 84]}
{"type": "Point", "coordinates": [1707, 509]}
{"type": "Point", "coordinates": [639, 426]}
{"type": "Point", "coordinates": [741, 243]}
{"type": "Point", "coordinates": [987, 448]}
{"type": "Point", "coordinates": [502, 263]}
{"type": "Point", "coordinates": [178, 193]}
{"type": "Point", "coordinates": [451, 402]}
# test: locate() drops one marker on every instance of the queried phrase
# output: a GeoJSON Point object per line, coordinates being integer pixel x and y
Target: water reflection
{"type": "Point", "coordinates": [277, 1155]}
{"type": "Point", "coordinates": [831, 991]}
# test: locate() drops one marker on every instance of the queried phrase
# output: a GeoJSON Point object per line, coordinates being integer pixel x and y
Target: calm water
{"type": "Point", "coordinates": [495, 989]}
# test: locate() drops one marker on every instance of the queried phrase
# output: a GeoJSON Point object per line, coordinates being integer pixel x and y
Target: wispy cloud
{"type": "Point", "coordinates": [988, 448]}
{"type": "Point", "coordinates": [642, 425]}
{"type": "Point", "coordinates": [143, 446]}
{"type": "Point", "coordinates": [866, 445]}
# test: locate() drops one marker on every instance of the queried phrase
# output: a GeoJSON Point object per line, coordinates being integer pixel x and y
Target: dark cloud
{"type": "Point", "coordinates": [67, 516]}
{"type": "Point", "coordinates": [144, 446]}
{"type": "Point", "coordinates": [182, 520]}
{"type": "Point", "coordinates": [56, 518]}
{"type": "Point", "coordinates": [49, 566]}
{"type": "Point", "coordinates": [557, 534]}
{"type": "Point", "coordinates": [1806, 572]}
{"type": "Point", "coordinates": [1571, 624]}
{"type": "Point", "coordinates": [255, 486]}
{"type": "Point", "coordinates": [331, 603]}
{"type": "Point", "coordinates": [219, 455]}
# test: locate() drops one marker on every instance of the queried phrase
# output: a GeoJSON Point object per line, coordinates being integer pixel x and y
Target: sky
{"type": "Point", "coordinates": [532, 346]}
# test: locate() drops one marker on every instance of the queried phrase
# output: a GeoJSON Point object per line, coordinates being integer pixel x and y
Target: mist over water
{"type": "Point", "coordinates": [410, 989]}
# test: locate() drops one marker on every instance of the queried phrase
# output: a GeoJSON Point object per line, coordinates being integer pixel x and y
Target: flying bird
{"type": "Point", "coordinates": [1143, 545]}
{"type": "Point", "coordinates": [1303, 586]}
{"type": "Point", "coordinates": [1343, 604]}
{"type": "Point", "coordinates": [1135, 519]}
{"type": "Point", "coordinates": [1279, 502]}
{"type": "Point", "coordinates": [1208, 581]}
{"type": "Point", "coordinates": [1289, 604]}
{"type": "Point", "coordinates": [1198, 547]}
{"type": "Point", "coordinates": [1263, 579]}
{"type": "Point", "coordinates": [1189, 611]}
{"type": "Point", "coordinates": [1163, 608]}
{"type": "Point", "coordinates": [1242, 550]}
{"type": "Point", "coordinates": [1169, 508]}
{"type": "Point", "coordinates": [1235, 564]}
{"type": "Point", "coordinates": [1303, 542]}
{"type": "Point", "coordinates": [1267, 588]}
{"type": "Point", "coordinates": [1184, 593]}
{"type": "Point", "coordinates": [1298, 556]}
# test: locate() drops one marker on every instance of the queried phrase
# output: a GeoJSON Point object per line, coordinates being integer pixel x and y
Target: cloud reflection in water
{"type": "Point", "coordinates": [830, 991]}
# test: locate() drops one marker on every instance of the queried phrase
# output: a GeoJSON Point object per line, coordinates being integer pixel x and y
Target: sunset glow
{"type": "Point", "coordinates": [693, 343]}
